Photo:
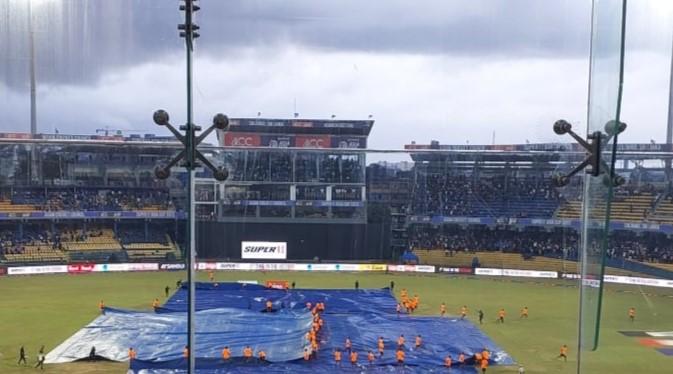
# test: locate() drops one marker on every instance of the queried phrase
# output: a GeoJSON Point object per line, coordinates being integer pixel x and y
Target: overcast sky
{"type": "Point", "coordinates": [453, 71]}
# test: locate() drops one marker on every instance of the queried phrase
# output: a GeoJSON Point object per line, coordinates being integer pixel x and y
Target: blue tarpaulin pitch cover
{"type": "Point", "coordinates": [231, 314]}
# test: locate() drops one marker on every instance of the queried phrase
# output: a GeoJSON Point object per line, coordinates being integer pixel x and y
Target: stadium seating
{"type": "Point", "coordinates": [441, 194]}
{"type": "Point", "coordinates": [99, 244]}
{"type": "Point", "coordinates": [108, 199]}
{"type": "Point", "coordinates": [663, 212]}
{"type": "Point", "coordinates": [94, 240]}
{"type": "Point", "coordinates": [627, 208]}
{"type": "Point", "coordinates": [668, 267]}
{"type": "Point", "coordinates": [7, 206]}
{"type": "Point", "coordinates": [155, 244]}
{"type": "Point", "coordinates": [36, 254]}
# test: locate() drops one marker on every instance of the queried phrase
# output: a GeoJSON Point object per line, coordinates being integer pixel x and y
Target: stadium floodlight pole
{"type": "Point", "coordinates": [669, 126]}
{"type": "Point", "coordinates": [191, 157]}
{"type": "Point", "coordinates": [31, 48]}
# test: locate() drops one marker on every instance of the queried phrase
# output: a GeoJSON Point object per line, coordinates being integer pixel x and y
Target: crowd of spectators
{"type": "Point", "coordinates": [627, 245]}
{"type": "Point", "coordinates": [131, 234]}
{"type": "Point", "coordinates": [12, 241]}
{"type": "Point", "coordinates": [92, 199]}
{"type": "Point", "coordinates": [497, 196]}
{"type": "Point", "coordinates": [15, 242]}
{"type": "Point", "coordinates": [478, 238]}
{"type": "Point", "coordinates": [308, 167]}
{"type": "Point", "coordinates": [648, 247]}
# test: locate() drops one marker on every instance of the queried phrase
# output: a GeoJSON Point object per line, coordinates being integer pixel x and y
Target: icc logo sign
{"type": "Point", "coordinates": [242, 141]}
{"type": "Point", "coordinates": [314, 143]}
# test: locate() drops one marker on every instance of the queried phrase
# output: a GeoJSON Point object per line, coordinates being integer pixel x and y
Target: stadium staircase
{"type": "Point", "coordinates": [500, 260]}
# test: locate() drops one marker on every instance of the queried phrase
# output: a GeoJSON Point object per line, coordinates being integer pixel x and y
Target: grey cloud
{"type": "Point", "coordinates": [77, 40]}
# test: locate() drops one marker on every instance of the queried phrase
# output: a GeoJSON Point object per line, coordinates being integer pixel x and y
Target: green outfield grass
{"type": "Point", "coordinates": [47, 309]}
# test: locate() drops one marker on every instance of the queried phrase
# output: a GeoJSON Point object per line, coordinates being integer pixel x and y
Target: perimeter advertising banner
{"type": "Point", "coordinates": [80, 268]}
{"type": "Point", "coordinates": [264, 250]}
{"type": "Point", "coordinates": [28, 270]}
{"type": "Point", "coordinates": [515, 273]}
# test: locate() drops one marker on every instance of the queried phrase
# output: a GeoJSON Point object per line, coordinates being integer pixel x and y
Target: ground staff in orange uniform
{"type": "Point", "coordinates": [354, 357]}
{"type": "Point", "coordinates": [132, 354]}
{"type": "Point", "coordinates": [247, 353]}
{"type": "Point", "coordinates": [337, 357]}
{"type": "Point", "coordinates": [399, 355]}
{"type": "Point", "coordinates": [564, 353]}
{"type": "Point", "coordinates": [226, 353]}
{"type": "Point", "coordinates": [484, 365]}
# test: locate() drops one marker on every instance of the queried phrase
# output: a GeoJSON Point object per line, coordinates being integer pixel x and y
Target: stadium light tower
{"type": "Point", "coordinates": [190, 157]}
{"type": "Point", "coordinates": [31, 6]}
{"type": "Point", "coordinates": [669, 125]}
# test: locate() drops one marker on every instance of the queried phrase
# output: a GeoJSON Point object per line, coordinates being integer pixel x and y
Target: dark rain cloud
{"type": "Point", "coordinates": [78, 40]}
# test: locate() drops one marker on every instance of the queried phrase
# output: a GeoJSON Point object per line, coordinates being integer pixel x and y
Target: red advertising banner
{"type": "Point", "coordinates": [206, 266]}
{"type": "Point", "coordinates": [278, 284]}
{"type": "Point", "coordinates": [80, 268]}
{"type": "Point", "coordinates": [313, 141]}
{"type": "Point", "coordinates": [233, 139]}
{"type": "Point", "coordinates": [3, 271]}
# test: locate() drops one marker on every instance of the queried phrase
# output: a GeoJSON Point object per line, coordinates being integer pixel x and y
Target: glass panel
{"type": "Point", "coordinates": [385, 144]}
{"type": "Point", "coordinates": [604, 106]}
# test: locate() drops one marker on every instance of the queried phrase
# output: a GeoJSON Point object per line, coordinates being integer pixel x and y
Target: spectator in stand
{"type": "Point", "coordinates": [626, 245]}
